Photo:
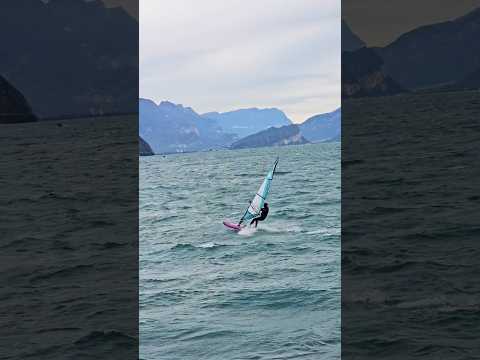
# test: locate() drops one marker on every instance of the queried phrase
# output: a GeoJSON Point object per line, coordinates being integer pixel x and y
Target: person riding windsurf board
{"type": "Point", "coordinates": [258, 208]}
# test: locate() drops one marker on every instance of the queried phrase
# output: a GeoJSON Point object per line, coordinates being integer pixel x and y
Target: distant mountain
{"type": "Point", "coordinates": [144, 148]}
{"type": "Point", "coordinates": [362, 75]}
{"type": "Point", "coordinates": [350, 41]}
{"type": "Point", "coordinates": [436, 54]}
{"type": "Point", "coordinates": [168, 127]}
{"type": "Point", "coordinates": [13, 105]}
{"type": "Point", "coordinates": [70, 57]}
{"type": "Point", "coordinates": [285, 135]}
{"type": "Point", "coordinates": [245, 122]}
{"type": "Point", "coordinates": [323, 127]}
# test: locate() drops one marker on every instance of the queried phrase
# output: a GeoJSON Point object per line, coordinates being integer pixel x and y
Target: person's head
{"type": "Point", "coordinates": [266, 204]}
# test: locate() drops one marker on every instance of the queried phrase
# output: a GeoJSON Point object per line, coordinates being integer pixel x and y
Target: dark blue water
{"type": "Point", "coordinates": [209, 293]}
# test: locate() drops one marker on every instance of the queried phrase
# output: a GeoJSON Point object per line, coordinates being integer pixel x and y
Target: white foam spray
{"type": "Point", "coordinates": [247, 231]}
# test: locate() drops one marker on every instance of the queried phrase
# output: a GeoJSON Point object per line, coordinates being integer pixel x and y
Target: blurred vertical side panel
{"type": "Point", "coordinates": [410, 189]}
{"type": "Point", "coordinates": [69, 179]}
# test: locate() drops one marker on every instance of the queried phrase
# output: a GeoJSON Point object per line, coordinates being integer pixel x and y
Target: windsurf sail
{"type": "Point", "coordinates": [256, 204]}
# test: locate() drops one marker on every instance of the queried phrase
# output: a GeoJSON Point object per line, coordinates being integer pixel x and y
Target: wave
{"type": "Point", "coordinates": [273, 299]}
{"type": "Point", "coordinates": [156, 218]}
{"type": "Point", "coordinates": [281, 227]}
{"type": "Point", "coordinates": [211, 245]}
{"type": "Point", "coordinates": [95, 338]}
{"type": "Point", "coordinates": [67, 272]}
{"type": "Point", "coordinates": [112, 245]}
{"type": "Point", "coordinates": [325, 232]}
{"type": "Point", "coordinates": [208, 335]}
{"type": "Point", "coordinates": [183, 247]}
{"type": "Point", "coordinates": [161, 280]}
{"type": "Point", "coordinates": [208, 245]}
{"type": "Point", "coordinates": [25, 243]}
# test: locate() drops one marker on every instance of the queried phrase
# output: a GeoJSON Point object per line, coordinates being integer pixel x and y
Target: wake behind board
{"type": "Point", "coordinates": [232, 225]}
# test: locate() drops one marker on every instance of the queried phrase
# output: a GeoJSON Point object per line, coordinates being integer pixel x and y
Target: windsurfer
{"type": "Point", "coordinates": [263, 215]}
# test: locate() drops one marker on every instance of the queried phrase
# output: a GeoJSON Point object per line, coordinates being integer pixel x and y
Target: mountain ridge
{"type": "Point", "coordinates": [434, 54]}
{"type": "Point", "coordinates": [14, 108]}
{"type": "Point", "coordinates": [87, 53]}
{"type": "Point", "coordinates": [350, 40]}
{"type": "Point", "coordinates": [322, 127]}
{"type": "Point", "coordinates": [170, 127]}
{"type": "Point", "coordinates": [244, 122]}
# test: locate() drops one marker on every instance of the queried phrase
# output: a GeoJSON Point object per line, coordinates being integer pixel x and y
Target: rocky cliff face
{"type": "Point", "coordinates": [144, 148]}
{"type": "Point", "coordinates": [362, 75]}
{"type": "Point", "coordinates": [13, 105]}
{"type": "Point", "coordinates": [285, 135]}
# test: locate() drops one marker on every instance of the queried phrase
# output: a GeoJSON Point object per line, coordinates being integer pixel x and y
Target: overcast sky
{"type": "Point", "coordinates": [217, 55]}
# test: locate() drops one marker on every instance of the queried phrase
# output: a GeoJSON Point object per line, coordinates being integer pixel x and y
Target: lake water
{"type": "Point", "coordinates": [210, 293]}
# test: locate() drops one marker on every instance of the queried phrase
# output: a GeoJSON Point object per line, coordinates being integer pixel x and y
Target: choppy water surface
{"type": "Point", "coordinates": [209, 293]}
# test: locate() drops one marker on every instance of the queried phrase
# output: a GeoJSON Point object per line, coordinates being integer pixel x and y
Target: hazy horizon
{"type": "Point", "coordinates": [214, 56]}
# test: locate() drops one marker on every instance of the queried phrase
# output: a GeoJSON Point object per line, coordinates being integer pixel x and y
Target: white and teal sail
{"type": "Point", "coordinates": [260, 197]}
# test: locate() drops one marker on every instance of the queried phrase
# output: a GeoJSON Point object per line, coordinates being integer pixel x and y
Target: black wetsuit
{"type": "Point", "coordinates": [263, 216]}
